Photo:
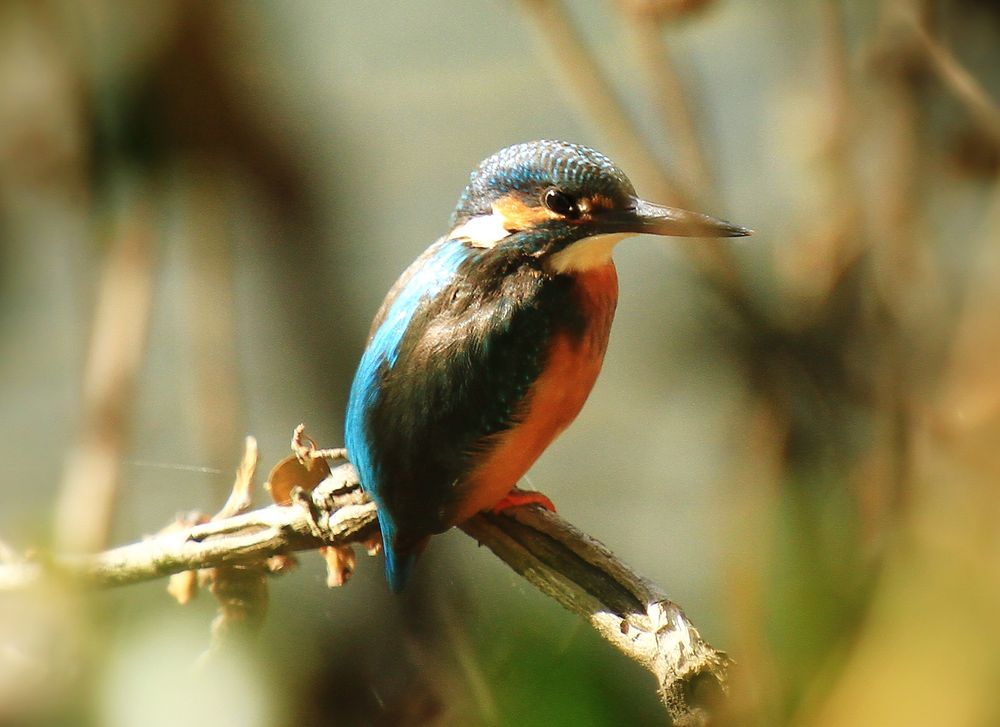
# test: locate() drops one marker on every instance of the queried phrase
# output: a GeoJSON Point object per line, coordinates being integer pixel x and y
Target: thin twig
{"type": "Point", "coordinates": [241, 496]}
{"type": "Point", "coordinates": [305, 448]}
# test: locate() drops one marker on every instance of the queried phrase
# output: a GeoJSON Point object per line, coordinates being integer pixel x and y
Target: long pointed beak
{"type": "Point", "coordinates": [653, 219]}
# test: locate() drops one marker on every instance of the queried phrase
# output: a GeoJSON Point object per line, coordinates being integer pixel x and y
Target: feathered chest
{"type": "Point", "coordinates": [495, 317]}
{"type": "Point", "coordinates": [465, 352]}
{"type": "Point", "coordinates": [570, 361]}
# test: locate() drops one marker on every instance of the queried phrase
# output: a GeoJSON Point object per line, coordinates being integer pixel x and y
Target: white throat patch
{"type": "Point", "coordinates": [586, 254]}
{"type": "Point", "coordinates": [483, 231]}
{"type": "Point", "coordinates": [486, 231]}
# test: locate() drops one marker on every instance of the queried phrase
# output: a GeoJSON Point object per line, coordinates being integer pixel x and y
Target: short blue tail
{"type": "Point", "coordinates": [398, 566]}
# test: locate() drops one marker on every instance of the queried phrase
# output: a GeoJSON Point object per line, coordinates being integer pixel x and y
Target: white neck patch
{"type": "Point", "coordinates": [586, 254]}
{"type": "Point", "coordinates": [483, 231]}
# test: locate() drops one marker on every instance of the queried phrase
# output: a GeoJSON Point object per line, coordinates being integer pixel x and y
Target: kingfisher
{"type": "Point", "coordinates": [487, 346]}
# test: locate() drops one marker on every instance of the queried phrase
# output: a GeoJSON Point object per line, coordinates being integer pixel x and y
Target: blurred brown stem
{"type": "Point", "coordinates": [841, 140]}
{"type": "Point", "coordinates": [673, 105]}
{"type": "Point", "coordinates": [962, 84]}
{"type": "Point", "coordinates": [211, 317]}
{"type": "Point", "coordinates": [86, 500]}
{"type": "Point", "coordinates": [564, 563]}
{"type": "Point", "coordinates": [588, 87]}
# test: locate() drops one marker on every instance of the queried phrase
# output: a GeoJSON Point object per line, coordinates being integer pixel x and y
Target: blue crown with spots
{"type": "Point", "coordinates": [533, 166]}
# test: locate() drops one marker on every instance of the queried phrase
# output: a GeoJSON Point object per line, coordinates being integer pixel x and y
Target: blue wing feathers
{"type": "Point", "coordinates": [456, 346]}
{"type": "Point", "coordinates": [426, 277]}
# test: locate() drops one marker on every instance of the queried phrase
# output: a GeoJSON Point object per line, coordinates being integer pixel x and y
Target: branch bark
{"type": "Point", "coordinates": [625, 608]}
{"type": "Point", "coordinates": [566, 564]}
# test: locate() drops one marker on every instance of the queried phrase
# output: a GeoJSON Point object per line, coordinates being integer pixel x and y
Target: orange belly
{"type": "Point", "coordinates": [556, 398]}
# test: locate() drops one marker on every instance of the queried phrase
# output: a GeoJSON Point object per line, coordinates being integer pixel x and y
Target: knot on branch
{"type": "Point", "coordinates": [692, 675]}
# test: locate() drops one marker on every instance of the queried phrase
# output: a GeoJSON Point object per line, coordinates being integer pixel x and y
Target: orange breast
{"type": "Point", "coordinates": [554, 401]}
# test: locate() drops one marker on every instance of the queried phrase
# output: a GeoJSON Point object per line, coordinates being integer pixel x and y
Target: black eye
{"type": "Point", "coordinates": [560, 203]}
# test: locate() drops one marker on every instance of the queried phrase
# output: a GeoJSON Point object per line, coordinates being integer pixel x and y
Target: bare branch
{"type": "Point", "coordinates": [563, 562]}
{"type": "Point", "coordinates": [622, 606]}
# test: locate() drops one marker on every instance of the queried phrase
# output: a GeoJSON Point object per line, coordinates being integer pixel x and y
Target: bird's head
{"type": "Point", "coordinates": [566, 203]}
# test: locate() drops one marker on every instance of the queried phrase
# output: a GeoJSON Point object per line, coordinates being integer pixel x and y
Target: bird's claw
{"type": "Point", "coordinates": [520, 498]}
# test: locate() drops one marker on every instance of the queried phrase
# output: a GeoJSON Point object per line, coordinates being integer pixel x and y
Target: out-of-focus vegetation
{"type": "Point", "coordinates": [202, 204]}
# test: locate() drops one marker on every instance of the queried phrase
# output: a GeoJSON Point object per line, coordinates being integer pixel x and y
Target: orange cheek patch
{"type": "Point", "coordinates": [518, 215]}
{"type": "Point", "coordinates": [600, 202]}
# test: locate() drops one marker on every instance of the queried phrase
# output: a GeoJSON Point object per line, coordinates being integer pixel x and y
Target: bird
{"type": "Point", "coordinates": [488, 344]}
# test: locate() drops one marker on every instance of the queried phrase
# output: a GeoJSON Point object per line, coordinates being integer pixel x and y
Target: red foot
{"type": "Point", "coordinates": [519, 498]}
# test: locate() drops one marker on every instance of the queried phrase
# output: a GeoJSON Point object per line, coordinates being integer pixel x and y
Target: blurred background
{"type": "Point", "coordinates": [202, 205]}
